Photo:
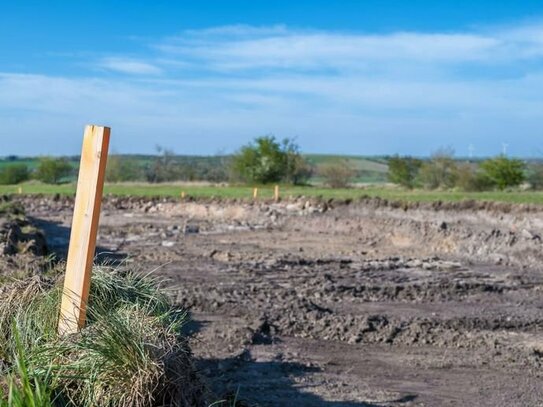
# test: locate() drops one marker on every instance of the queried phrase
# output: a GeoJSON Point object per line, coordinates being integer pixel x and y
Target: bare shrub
{"type": "Point", "coordinates": [338, 174]}
{"type": "Point", "coordinates": [440, 171]}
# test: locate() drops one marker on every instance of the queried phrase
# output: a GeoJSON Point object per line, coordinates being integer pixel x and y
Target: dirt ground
{"type": "Point", "coordinates": [308, 303]}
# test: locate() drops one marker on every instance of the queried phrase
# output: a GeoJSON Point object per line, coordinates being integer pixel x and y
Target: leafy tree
{"type": "Point", "coordinates": [504, 172]}
{"type": "Point", "coordinates": [403, 170]}
{"type": "Point", "coordinates": [297, 169]}
{"type": "Point", "coordinates": [14, 174]}
{"type": "Point", "coordinates": [53, 170]}
{"type": "Point", "coordinates": [122, 169]}
{"type": "Point", "coordinates": [266, 160]}
{"type": "Point", "coordinates": [337, 174]}
{"type": "Point", "coordinates": [440, 171]}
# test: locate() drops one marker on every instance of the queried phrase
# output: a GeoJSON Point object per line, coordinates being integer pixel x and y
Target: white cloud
{"type": "Point", "coordinates": [336, 91]}
{"type": "Point", "coordinates": [241, 47]}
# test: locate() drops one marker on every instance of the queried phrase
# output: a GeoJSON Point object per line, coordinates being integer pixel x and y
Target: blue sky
{"type": "Point", "coordinates": [204, 77]}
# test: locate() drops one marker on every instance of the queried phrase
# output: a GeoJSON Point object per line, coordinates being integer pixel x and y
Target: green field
{"type": "Point", "coordinates": [266, 192]}
{"type": "Point", "coordinates": [370, 170]}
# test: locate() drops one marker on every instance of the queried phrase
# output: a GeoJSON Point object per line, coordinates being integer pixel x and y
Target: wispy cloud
{"type": "Point", "coordinates": [241, 47]}
{"type": "Point", "coordinates": [238, 30]}
{"type": "Point", "coordinates": [129, 66]}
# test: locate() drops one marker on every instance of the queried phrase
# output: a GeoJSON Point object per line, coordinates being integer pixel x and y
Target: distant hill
{"type": "Point", "coordinates": [369, 169]}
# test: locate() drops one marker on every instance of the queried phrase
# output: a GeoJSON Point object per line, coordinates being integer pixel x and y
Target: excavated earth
{"type": "Point", "coordinates": [23, 249]}
{"type": "Point", "coordinates": [326, 303]}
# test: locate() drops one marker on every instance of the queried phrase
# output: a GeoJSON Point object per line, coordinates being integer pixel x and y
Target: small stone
{"type": "Point", "coordinates": [191, 229]}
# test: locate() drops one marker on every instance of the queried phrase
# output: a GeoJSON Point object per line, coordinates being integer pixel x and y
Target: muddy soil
{"type": "Point", "coordinates": [308, 303]}
{"type": "Point", "coordinates": [23, 250]}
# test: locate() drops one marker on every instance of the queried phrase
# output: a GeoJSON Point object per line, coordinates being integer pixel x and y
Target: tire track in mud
{"type": "Point", "coordinates": [328, 308]}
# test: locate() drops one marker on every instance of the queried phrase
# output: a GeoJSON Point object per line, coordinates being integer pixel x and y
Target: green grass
{"type": "Point", "coordinates": [266, 192]}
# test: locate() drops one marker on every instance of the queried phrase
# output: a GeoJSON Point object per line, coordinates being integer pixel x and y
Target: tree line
{"type": "Point", "coordinates": [264, 160]}
{"type": "Point", "coordinates": [442, 171]}
{"type": "Point", "coordinates": [49, 170]}
{"type": "Point", "coordinates": [269, 160]}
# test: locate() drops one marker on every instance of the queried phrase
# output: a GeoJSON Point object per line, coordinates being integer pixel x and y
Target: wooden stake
{"type": "Point", "coordinates": [20, 190]}
{"type": "Point", "coordinates": [183, 195]}
{"type": "Point", "coordinates": [255, 193]}
{"type": "Point", "coordinates": [88, 199]}
{"type": "Point", "coordinates": [276, 193]}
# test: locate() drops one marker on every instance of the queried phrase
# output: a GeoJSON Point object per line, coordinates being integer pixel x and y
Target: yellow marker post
{"type": "Point", "coordinates": [255, 193]}
{"type": "Point", "coordinates": [276, 193]}
{"type": "Point", "coordinates": [88, 199]}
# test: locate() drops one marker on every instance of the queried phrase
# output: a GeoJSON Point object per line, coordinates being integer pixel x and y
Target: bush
{"type": "Point", "coordinates": [535, 177]}
{"type": "Point", "coordinates": [53, 170]}
{"type": "Point", "coordinates": [131, 353]}
{"type": "Point", "coordinates": [403, 170]}
{"type": "Point", "coordinates": [471, 179]}
{"type": "Point", "coordinates": [338, 174]}
{"type": "Point", "coordinates": [261, 162]}
{"type": "Point", "coordinates": [266, 160]}
{"type": "Point", "coordinates": [439, 172]}
{"type": "Point", "coordinates": [14, 174]}
{"type": "Point", "coordinates": [504, 172]}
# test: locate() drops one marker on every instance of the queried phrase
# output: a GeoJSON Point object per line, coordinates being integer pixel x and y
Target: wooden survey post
{"type": "Point", "coordinates": [88, 199]}
{"type": "Point", "coordinates": [276, 193]}
{"type": "Point", "coordinates": [255, 193]}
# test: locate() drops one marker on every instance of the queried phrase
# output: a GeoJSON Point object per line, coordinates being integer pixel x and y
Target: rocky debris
{"type": "Point", "coordinates": [513, 231]}
{"type": "Point", "coordinates": [305, 205]}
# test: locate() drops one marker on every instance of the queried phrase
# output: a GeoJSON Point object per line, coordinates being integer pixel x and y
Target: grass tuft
{"type": "Point", "coordinates": [131, 353]}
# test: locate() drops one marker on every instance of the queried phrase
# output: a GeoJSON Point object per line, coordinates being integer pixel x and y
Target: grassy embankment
{"type": "Point", "coordinates": [266, 192]}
